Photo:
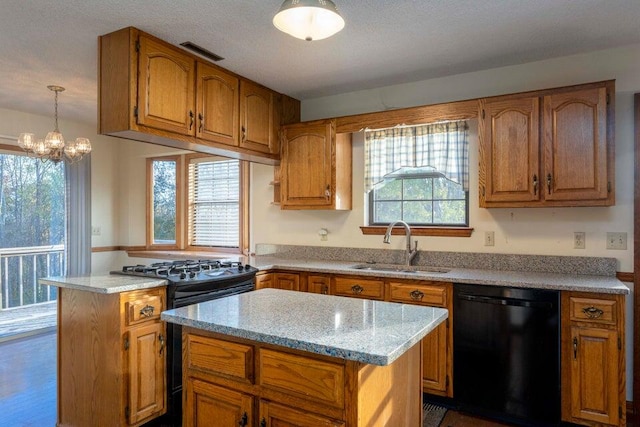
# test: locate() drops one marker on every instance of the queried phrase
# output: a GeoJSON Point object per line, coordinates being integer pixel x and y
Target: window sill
{"type": "Point", "coordinates": [420, 231]}
{"type": "Point", "coordinates": [178, 254]}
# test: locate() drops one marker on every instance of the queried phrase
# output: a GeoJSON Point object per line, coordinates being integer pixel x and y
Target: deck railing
{"type": "Point", "coordinates": [20, 269]}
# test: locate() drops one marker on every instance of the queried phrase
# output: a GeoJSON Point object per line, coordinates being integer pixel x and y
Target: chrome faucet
{"type": "Point", "coordinates": [410, 254]}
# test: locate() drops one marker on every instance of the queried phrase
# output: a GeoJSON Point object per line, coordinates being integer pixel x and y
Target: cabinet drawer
{"type": "Point", "coordinates": [434, 296]}
{"type": "Point", "coordinates": [593, 310]}
{"type": "Point", "coordinates": [362, 288]}
{"type": "Point", "coordinates": [143, 306]}
{"type": "Point", "coordinates": [311, 379]}
{"type": "Point", "coordinates": [216, 357]}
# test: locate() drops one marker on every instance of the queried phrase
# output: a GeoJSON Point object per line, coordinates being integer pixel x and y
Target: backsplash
{"type": "Point", "coordinates": [600, 266]}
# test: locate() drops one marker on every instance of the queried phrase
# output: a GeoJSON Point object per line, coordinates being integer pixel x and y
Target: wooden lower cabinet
{"type": "Point", "coordinates": [111, 357]}
{"type": "Point", "coordinates": [274, 415]}
{"type": "Point", "coordinates": [293, 388]}
{"type": "Point", "coordinates": [319, 284]}
{"type": "Point", "coordinates": [437, 347]}
{"type": "Point", "coordinates": [286, 281]}
{"type": "Point", "coordinates": [593, 360]}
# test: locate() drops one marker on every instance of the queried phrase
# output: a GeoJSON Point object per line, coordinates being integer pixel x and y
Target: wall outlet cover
{"type": "Point", "coordinates": [579, 240]}
{"type": "Point", "coordinates": [617, 241]}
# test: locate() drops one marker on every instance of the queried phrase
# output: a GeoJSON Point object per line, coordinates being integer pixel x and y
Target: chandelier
{"type": "Point", "coordinates": [309, 19]}
{"type": "Point", "coordinates": [53, 147]}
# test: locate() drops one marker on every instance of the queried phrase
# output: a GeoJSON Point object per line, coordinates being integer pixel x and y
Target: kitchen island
{"type": "Point", "coordinates": [273, 356]}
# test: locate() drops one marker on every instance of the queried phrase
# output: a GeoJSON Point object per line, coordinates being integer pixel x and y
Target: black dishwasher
{"type": "Point", "coordinates": [506, 353]}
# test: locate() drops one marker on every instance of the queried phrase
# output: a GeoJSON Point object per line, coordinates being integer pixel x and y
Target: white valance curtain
{"type": "Point", "coordinates": [443, 146]}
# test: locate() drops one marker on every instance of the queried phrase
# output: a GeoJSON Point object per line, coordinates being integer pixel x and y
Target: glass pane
{"type": "Point", "coordinates": [417, 189]}
{"type": "Point", "coordinates": [164, 201]}
{"type": "Point", "coordinates": [387, 212]}
{"type": "Point", "coordinates": [446, 189]}
{"type": "Point", "coordinates": [417, 212]}
{"type": "Point", "coordinates": [449, 212]}
{"type": "Point", "coordinates": [391, 190]}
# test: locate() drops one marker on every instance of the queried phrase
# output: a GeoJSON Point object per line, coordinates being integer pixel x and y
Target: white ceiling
{"type": "Point", "coordinates": [384, 42]}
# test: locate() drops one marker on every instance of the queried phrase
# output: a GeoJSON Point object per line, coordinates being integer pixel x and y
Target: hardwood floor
{"type": "Point", "coordinates": [28, 381]}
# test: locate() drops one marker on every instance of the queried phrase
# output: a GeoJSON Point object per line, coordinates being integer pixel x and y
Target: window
{"type": "Point", "coordinates": [214, 203]}
{"type": "Point", "coordinates": [163, 176]}
{"type": "Point", "coordinates": [418, 175]}
{"type": "Point", "coordinates": [32, 227]}
{"type": "Point", "coordinates": [420, 196]}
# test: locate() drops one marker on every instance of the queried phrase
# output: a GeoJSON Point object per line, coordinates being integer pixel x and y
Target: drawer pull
{"type": "Point", "coordinates": [147, 311]}
{"type": "Point", "coordinates": [244, 421]}
{"type": "Point", "coordinates": [357, 289]}
{"type": "Point", "coordinates": [592, 312]}
{"type": "Point", "coordinates": [416, 295]}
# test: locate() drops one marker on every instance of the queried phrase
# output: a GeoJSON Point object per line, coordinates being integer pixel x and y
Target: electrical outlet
{"type": "Point", "coordinates": [95, 230]}
{"type": "Point", "coordinates": [617, 241]}
{"type": "Point", "coordinates": [489, 238]}
{"type": "Point", "coordinates": [579, 240]}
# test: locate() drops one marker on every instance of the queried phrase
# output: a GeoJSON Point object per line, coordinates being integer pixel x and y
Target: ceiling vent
{"type": "Point", "coordinates": [202, 51]}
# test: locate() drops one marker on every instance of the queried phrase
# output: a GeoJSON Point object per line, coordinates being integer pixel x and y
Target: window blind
{"type": "Point", "coordinates": [214, 203]}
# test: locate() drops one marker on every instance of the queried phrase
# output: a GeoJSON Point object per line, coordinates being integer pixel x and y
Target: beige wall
{"type": "Point", "coordinates": [522, 231]}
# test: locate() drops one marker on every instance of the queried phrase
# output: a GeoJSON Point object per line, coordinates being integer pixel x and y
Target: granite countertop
{"type": "Point", "coordinates": [517, 279]}
{"type": "Point", "coordinates": [106, 284]}
{"type": "Point", "coordinates": [372, 332]}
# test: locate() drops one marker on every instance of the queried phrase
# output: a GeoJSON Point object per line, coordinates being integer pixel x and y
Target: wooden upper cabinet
{"type": "Point", "coordinates": [152, 91]}
{"type": "Point", "coordinates": [218, 106]}
{"type": "Point", "coordinates": [257, 130]}
{"type": "Point", "coordinates": [575, 145]}
{"type": "Point", "coordinates": [548, 148]}
{"type": "Point", "coordinates": [315, 172]}
{"type": "Point", "coordinates": [510, 147]}
{"type": "Point", "coordinates": [165, 87]}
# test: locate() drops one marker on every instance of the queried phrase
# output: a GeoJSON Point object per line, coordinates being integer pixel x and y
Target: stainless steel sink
{"type": "Point", "coordinates": [401, 268]}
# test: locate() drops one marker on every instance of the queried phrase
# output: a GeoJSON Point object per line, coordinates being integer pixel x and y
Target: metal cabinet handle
{"type": "Point", "coordinates": [161, 339]}
{"type": "Point", "coordinates": [575, 348]}
{"type": "Point", "coordinates": [592, 312]}
{"type": "Point", "coordinates": [263, 423]}
{"type": "Point", "coordinates": [416, 295]}
{"type": "Point", "coordinates": [147, 311]}
{"type": "Point", "coordinates": [327, 192]}
{"type": "Point", "coordinates": [201, 118]}
{"type": "Point", "coordinates": [244, 420]}
{"type": "Point", "coordinates": [549, 183]}
{"type": "Point", "coordinates": [357, 289]}
{"type": "Point", "coordinates": [324, 290]}
{"type": "Point", "coordinates": [244, 134]}
{"type": "Point", "coordinates": [535, 185]}
{"type": "Point", "coordinates": [191, 116]}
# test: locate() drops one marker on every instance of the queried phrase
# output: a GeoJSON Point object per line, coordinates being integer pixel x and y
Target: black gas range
{"type": "Point", "coordinates": [190, 282]}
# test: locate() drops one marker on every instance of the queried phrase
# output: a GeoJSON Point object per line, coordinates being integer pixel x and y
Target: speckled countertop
{"type": "Point", "coordinates": [107, 284]}
{"type": "Point", "coordinates": [372, 332]}
{"type": "Point", "coordinates": [518, 279]}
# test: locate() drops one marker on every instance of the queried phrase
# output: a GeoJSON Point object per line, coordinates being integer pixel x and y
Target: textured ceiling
{"type": "Point", "coordinates": [384, 42]}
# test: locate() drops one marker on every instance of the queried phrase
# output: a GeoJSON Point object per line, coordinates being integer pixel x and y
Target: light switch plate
{"type": "Point", "coordinates": [617, 241]}
{"type": "Point", "coordinates": [489, 238]}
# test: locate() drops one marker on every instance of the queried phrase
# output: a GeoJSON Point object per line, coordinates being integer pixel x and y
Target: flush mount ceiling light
{"type": "Point", "coordinates": [53, 146]}
{"type": "Point", "coordinates": [309, 19]}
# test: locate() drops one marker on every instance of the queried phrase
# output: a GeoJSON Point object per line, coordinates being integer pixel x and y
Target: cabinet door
{"type": "Point", "coordinates": [594, 375]}
{"type": "Point", "coordinates": [318, 284]}
{"type": "Point", "coordinates": [434, 361]}
{"type": "Point", "coordinates": [208, 405]}
{"type": "Point", "coordinates": [275, 415]}
{"type": "Point", "coordinates": [146, 363]}
{"type": "Point", "coordinates": [509, 150]}
{"type": "Point", "coordinates": [257, 118]}
{"type": "Point", "coordinates": [166, 85]}
{"type": "Point", "coordinates": [307, 165]}
{"type": "Point", "coordinates": [287, 281]}
{"type": "Point", "coordinates": [575, 145]}
{"type": "Point", "coordinates": [217, 105]}
{"type": "Point", "coordinates": [264, 281]}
